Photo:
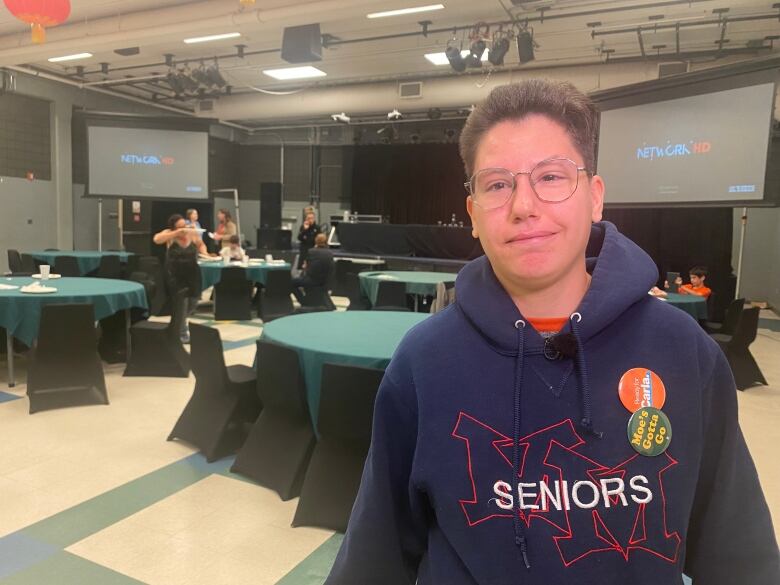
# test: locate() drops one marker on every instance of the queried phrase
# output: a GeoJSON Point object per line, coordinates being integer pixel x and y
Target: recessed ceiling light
{"type": "Point", "coordinates": [70, 57]}
{"type": "Point", "coordinates": [208, 38]}
{"type": "Point", "coordinates": [401, 11]}
{"type": "Point", "coordinates": [294, 72]}
{"type": "Point", "coordinates": [441, 58]}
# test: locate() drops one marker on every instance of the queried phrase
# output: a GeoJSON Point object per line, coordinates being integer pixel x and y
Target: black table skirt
{"type": "Point", "coordinates": [424, 241]}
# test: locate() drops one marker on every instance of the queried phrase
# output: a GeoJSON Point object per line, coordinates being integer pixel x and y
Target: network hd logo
{"type": "Point", "coordinates": [672, 150]}
{"type": "Point", "coordinates": [146, 160]}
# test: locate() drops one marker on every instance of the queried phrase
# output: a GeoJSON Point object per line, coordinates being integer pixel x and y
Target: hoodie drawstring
{"type": "Point", "coordinates": [579, 360]}
{"type": "Point", "coordinates": [519, 530]}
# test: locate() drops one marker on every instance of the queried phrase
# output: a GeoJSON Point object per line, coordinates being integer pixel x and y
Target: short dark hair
{"type": "Point", "coordinates": [700, 271]}
{"type": "Point", "coordinates": [320, 240]}
{"type": "Point", "coordinates": [558, 100]}
{"type": "Point", "coordinates": [234, 239]}
{"type": "Point", "coordinates": [173, 219]}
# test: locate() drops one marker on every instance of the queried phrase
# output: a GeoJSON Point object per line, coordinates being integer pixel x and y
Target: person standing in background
{"type": "Point", "coordinates": [306, 235]}
{"type": "Point", "coordinates": [225, 229]}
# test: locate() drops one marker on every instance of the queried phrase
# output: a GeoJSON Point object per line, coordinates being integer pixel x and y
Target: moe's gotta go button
{"type": "Point", "coordinates": [649, 431]}
{"type": "Point", "coordinates": [640, 387]}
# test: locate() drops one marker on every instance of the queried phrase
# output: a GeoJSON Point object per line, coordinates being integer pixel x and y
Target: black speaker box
{"type": "Point", "coordinates": [273, 239]}
{"type": "Point", "coordinates": [525, 47]}
{"type": "Point", "coordinates": [302, 44]}
{"type": "Point", "coordinates": [271, 205]}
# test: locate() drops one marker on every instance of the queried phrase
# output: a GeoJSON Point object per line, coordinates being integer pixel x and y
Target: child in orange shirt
{"type": "Point", "coordinates": [697, 286]}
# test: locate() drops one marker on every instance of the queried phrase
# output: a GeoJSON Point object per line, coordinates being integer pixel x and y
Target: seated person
{"type": "Point", "coordinates": [697, 287]}
{"type": "Point", "coordinates": [233, 250]}
{"type": "Point", "coordinates": [316, 270]}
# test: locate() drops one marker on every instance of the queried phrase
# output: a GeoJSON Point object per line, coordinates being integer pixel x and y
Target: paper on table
{"type": "Point", "coordinates": [50, 275]}
{"type": "Point", "coordinates": [8, 287]}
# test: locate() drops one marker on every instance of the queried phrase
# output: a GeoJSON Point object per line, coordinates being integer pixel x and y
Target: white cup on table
{"type": "Point", "coordinates": [45, 270]}
{"type": "Point", "coordinates": [269, 257]}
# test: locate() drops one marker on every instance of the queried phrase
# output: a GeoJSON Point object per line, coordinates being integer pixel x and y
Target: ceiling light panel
{"type": "Point", "coordinates": [70, 57]}
{"type": "Point", "coordinates": [402, 11]}
{"type": "Point", "coordinates": [210, 38]}
{"type": "Point", "coordinates": [288, 73]}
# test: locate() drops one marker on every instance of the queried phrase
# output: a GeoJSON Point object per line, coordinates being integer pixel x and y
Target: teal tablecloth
{"type": "Point", "coordinates": [87, 260]}
{"type": "Point", "coordinates": [695, 306]}
{"type": "Point", "coordinates": [417, 283]}
{"type": "Point", "coordinates": [360, 338]}
{"type": "Point", "coordinates": [211, 272]}
{"type": "Point", "coordinates": [20, 313]}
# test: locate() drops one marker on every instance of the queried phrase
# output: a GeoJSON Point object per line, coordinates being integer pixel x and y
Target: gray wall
{"type": "Point", "coordinates": [40, 213]}
{"type": "Point", "coordinates": [761, 258]}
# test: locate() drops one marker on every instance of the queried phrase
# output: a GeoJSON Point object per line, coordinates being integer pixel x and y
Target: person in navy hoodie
{"type": "Point", "coordinates": [556, 425]}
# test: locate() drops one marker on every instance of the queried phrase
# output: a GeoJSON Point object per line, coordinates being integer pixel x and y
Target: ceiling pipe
{"type": "Point", "coordinates": [42, 75]}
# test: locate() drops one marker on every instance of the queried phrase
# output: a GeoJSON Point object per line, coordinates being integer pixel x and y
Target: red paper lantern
{"type": "Point", "coordinates": [39, 14]}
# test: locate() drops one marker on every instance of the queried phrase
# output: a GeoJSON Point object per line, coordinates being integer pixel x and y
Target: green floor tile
{"type": "Point", "coordinates": [87, 518]}
{"type": "Point", "coordinates": [314, 569]}
{"type": "Point", "coordinates": [65, 568]}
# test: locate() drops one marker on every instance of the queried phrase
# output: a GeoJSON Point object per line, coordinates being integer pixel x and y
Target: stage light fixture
{"type": "Point", "coordinates": [477, 49]}
{"type": "Point", "coordinates": [499, 50]}
{"type": "Point", "coordinates": [455, 58]}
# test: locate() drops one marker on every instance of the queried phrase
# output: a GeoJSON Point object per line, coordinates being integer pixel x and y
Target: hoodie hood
{"type": "Point", "coordinates": [622, 274]}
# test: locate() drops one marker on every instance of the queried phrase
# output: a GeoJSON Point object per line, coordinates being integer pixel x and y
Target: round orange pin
{"type": "Point", "coordinates": [640, 388]}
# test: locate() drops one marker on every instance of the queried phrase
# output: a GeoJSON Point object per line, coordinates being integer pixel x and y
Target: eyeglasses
{"type": "Point", "coordinates": [553, 180]}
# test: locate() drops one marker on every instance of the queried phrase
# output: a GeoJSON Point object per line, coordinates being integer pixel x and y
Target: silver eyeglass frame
{"type": "Point", "coordinates": [468, 184]}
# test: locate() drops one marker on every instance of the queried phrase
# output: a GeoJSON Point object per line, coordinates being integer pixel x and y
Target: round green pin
{"type": "Point", "coordinates": [649, 431]}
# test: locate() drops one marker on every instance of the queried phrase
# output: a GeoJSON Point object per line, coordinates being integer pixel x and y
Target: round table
{"type": "Point", "coordinates": [20, 313]}
{"type": "Point", "coordinates": [694, 305]}
{"type": "Point", "coordinates": [88, 260]}
{"type": "Point", "coordinates": [211, 272]}
{"type": "Point", "coordinates": [417, 283]}
{"type": "Point", "coordinates": [360, 338]}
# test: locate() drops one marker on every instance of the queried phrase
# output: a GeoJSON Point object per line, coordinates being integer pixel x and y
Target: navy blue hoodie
{"type": "Point", "coordinates": [471, 411]}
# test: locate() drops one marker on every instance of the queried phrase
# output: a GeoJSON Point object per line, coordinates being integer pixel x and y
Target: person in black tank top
{"type": "Point", "coordinates": [181, 264]}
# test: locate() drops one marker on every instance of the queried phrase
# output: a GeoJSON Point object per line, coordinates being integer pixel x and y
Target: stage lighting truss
{"type": "Point", "coordinates": [196, 83]}
{"type": "Point", "coordinates": [496, 44]}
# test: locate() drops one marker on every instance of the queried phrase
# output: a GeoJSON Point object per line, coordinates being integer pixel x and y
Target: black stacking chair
{"type": "Point", "coordinates": [730, 321]}
{"type": "Point", "coordinates": [233, 295]}
{"type": "Point", "coordinates": [344, 423]}
{"type": "Point", "coordinates": [14, 261]}
{"type": "Point", "coordinates": [357, 300]}
{"type": "Point", "coordinates": [223, 400]}
{"type": "Point", "coordinates": [66, 266]}
{"type": "Point", "coordinates": [156, 348]}
{"type": "Point", "coordinates": [736, 347]}
{"type": "Point", "coordinates": [274, 299]}
{"type": "Point", "coordinates": [340, 271]}
{"type": "Point", "coordinates": [391, 296]}
{"type": "Point", "coordinates": [28, 264]}
{"type": "Point", "coordinates": [278, 448]}
{"type": "Point", "coordinates": [65, 368]}
{"type": "Point", "coordinates": [110, 267]}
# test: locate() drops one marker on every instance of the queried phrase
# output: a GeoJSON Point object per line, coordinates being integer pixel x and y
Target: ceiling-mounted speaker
{"type": "Point", "coordinates": [302, 44]}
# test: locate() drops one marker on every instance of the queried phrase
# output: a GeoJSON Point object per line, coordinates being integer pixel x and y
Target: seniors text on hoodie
{"type": "Point", "coordinates": [493, 464]}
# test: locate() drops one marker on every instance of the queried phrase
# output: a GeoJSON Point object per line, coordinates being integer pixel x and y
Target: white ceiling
{"type": "Point", "coordinates": [157, 27]}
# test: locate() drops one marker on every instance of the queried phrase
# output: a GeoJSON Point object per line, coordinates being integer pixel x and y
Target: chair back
{"type": "Point", "coordinates": [14, 261]}
{"type": "Point", "coordinates": [67, 331]}
{"type": "Point", "coordinates": [275, 297]}
{"type": "Point", "coordinates": [746, 330]}
{"type": "Point", "coordinates": [391, 294]}
{"type": "Point", "coordinates": [317, 296]}
{"type": "Point", "coordinates": [28, 264]}
{"type": "Point", "coordinates": [280, 384]}
{"type": "Point", "coordinates": [66, 266]}
{"type": "Point", "coordinates": [347, 398]}
{"type": "Point", "coordinates": [233, 277]}
{"type": "Point", "coordinates": [207, 358]}
{"type": "Point", "coordinates": [357, 302]}
{"type": "Point", "coordinates": [110, 266]}
{"type": "Point", "coordinates": [733, 314]}
{"type": "Point", "coordinates": [340, 271]}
